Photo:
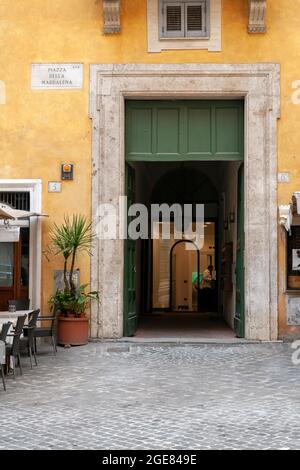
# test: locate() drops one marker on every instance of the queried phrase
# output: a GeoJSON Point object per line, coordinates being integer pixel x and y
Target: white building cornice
{"type": "Point", "coordinates": [111, 16]}
{"type": "Point", "coordinates": [257, 16]}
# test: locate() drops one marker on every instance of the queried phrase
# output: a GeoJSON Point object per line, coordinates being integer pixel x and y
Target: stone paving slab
{"type": "Point", "coordinates": [140, 396]}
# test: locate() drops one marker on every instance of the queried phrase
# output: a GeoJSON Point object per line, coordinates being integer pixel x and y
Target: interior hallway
{"type": "Point", "coordinates": [183, 326]}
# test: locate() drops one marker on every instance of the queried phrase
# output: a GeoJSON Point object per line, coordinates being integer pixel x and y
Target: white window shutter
{"type": "Point", "coordinates": [195, 19]}
{"type": "Point", "coordinates": [173, 24]}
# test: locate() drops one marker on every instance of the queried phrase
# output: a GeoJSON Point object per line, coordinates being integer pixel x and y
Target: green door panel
{"type": "Point", "coordinates": [227, 131]}
{"type": "Point", "coordinates": [139, 133]}
{"type": "Point", "coordinates": [185, 130]}
{"type": "Point", "coordinates": [239, 320]}
{"type": "Point", "coordinates": [199, 123]}
{"type": "Point", "coordinates": [130, 313]}
{"type": "Point", "coordinates": [168, 131]}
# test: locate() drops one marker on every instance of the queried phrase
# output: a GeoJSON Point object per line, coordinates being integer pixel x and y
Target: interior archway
{"type": "Point", "coordinates": [184, 185]}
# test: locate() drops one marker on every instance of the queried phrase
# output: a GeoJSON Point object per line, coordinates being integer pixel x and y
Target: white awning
{"type": "Point", "coordinates": [8, 213]}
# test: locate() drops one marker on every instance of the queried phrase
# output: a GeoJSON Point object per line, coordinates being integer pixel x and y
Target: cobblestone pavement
{"type": "Point", "coordinates": [118, 396]}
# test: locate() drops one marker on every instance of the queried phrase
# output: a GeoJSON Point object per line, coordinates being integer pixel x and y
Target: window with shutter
{"type": "Point", "coordinates": [184, 19]}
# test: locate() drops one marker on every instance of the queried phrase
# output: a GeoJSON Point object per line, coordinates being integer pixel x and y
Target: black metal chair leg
{"type": "Point", "coordinates": [19, 359]}
{"type": "Point", "coordinates": [14, 366]}
{"type": "Point", "coordinates": [35, 348]}
{"type": "Point", "coordinates": [30, 356]}
{"type": "Point", "coordinates": [34, 355]}
{"type": "Point", "coordinates": [3, 379]}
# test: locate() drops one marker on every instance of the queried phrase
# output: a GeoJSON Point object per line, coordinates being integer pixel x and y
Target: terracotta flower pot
{"type": "Point", "coordinates": [73, 331]}
{"type": "Point", "coordinates": [69, 315]}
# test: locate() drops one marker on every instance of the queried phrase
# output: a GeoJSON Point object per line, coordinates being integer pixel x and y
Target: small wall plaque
{"type": "Point", "coordinates": [54, 187]}
{"type": "Point", "coordinates": [59, 279]}
{"type": "Point", "coordinates": [57, 76]}
{"type": "Point", "coordinates": [284, 177]}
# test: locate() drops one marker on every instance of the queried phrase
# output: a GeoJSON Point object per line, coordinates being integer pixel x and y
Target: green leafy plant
{"type": "Point", "coordinates": [72, 237]}
{"type": "Point", "coordinates": [60, 302]}
{"type": "Point", "coordinates": [67, 303]}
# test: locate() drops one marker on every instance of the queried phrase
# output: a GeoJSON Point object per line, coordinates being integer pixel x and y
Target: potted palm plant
{"type": "Point", "coordinates": [71, 303]}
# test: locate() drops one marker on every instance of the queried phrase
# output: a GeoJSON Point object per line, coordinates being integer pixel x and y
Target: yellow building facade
{"type": "Point", "coordinates": [42, 128]}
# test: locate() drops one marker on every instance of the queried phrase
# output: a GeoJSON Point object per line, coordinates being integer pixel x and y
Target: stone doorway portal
{"type": "Point", "coordinates": [259, 86]}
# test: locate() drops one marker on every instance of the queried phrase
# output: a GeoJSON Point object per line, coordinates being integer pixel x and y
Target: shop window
{"type": "Point", "coordinates": [293, 259]}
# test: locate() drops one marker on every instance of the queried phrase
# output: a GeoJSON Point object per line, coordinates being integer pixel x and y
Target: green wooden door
{"type": "Point", "coordinates": [130, 313]}
{"type": "Point", "coordinates": [239, 320]}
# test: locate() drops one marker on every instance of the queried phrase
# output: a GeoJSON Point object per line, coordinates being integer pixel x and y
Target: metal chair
{"type": "Point", "coordinates": [2, 362]}
{"type": "Point", "coordinates": [20, 304]}
{"type": "Point", "coordinates": [3, 334]}
{"type": "Point", "coordinates": [13, 350]}
{"type": "Point", "coordinates": [48, 331]}
{"type": "Point", "coordinates": [4, 331]}
{"type": "Point", "coordinates": [27, 341]}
